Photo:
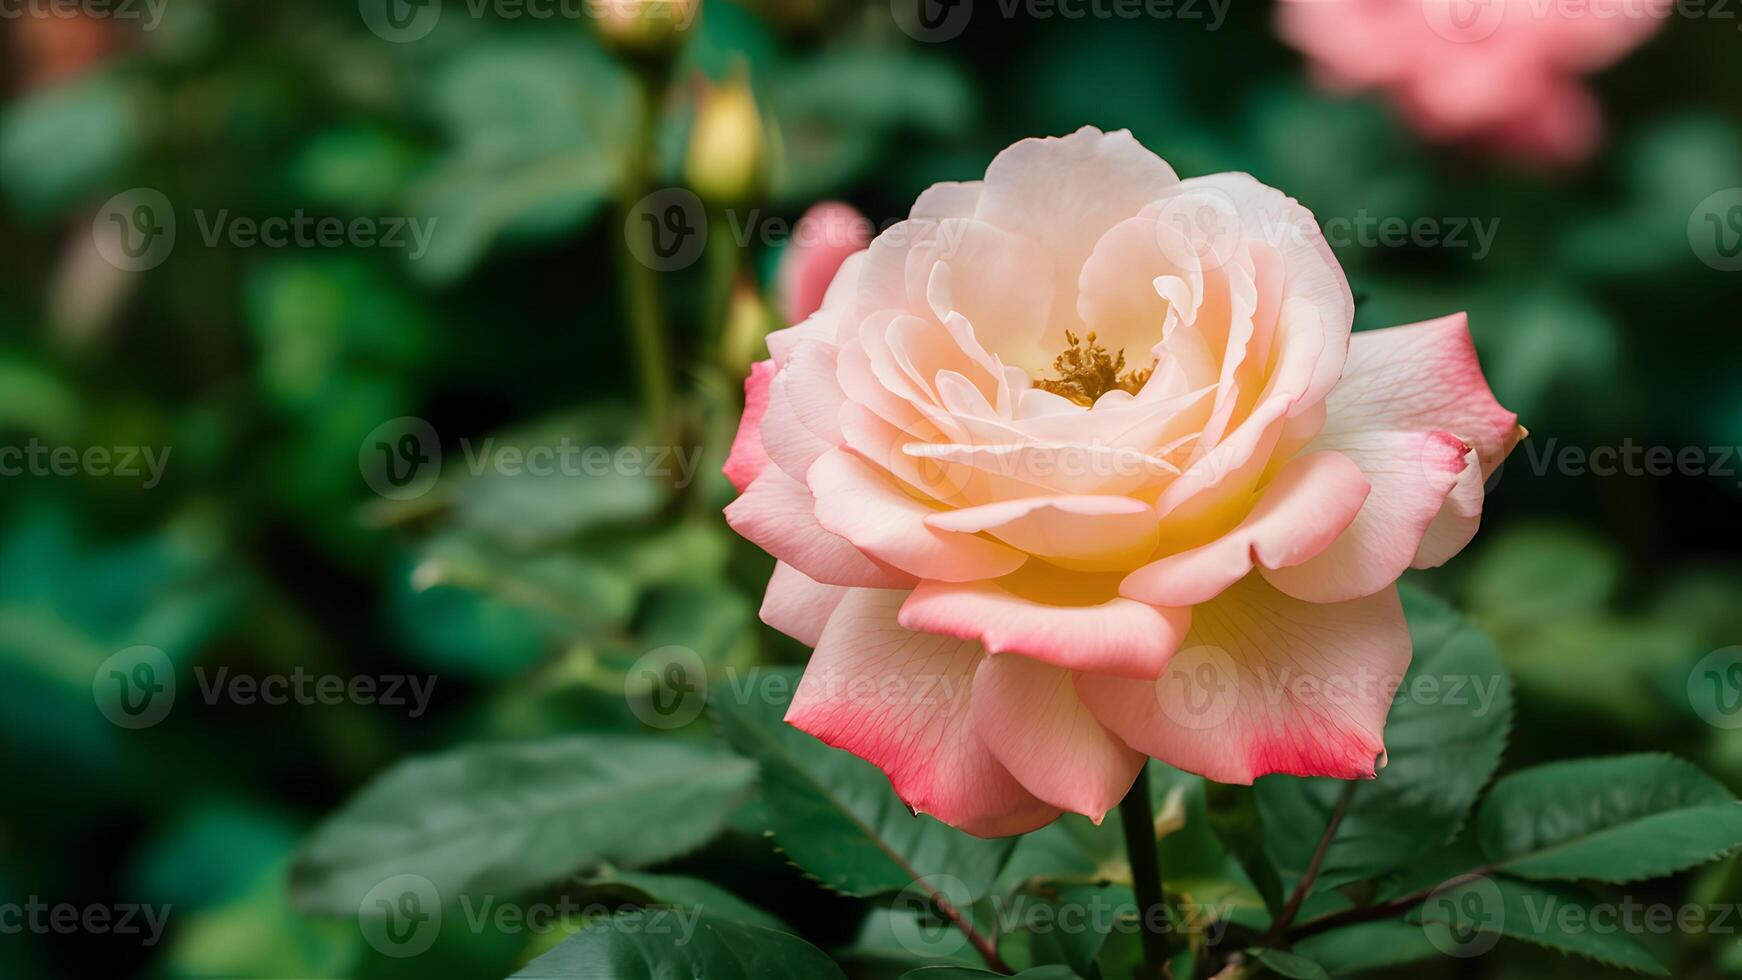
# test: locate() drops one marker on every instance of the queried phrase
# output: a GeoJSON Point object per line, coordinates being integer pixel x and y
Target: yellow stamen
{"type": "Point", "coordinates": [1087, 371]}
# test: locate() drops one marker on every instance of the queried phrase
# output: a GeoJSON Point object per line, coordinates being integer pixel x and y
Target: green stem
{"type": "Point", "coordinates": [1136, 813]}
{"type": "Point", "coordinates": [1304, 887]}
{"type": "Point", "coordinates": [640, 289]}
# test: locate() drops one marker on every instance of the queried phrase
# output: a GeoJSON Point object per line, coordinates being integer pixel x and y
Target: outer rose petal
{"type": "Point", "coordinates": [1116, 636]}
{"type": "Point", "coordinates": [1425, 378]}
{"type": "Point", "coordinates": [799, 606]}
{"type": "Point", "coordinates": [747, 459]}
{"type": "Point", "coordinates": [777, 513]}
{"type": "Point", "coordinates": [901, 700]}
{"type": "Point", "coordinates": [1411, 473]}
{"type": "Point", "coordinates": [1266, 683]}
{"type": "Point", "coordinates": [1304, 509]}
{"type": "Point", "coordinates": [804, 406]}
{"type": "Point", "coordinates": [1029, 715]}
{"type": "Point", "coordinates": [859, 503]}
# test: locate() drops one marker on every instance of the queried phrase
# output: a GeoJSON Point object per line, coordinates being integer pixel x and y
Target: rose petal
{"type": "Point", "coordinates": [900, 700]}
{"type": "Point", "coordinates": [747, 458]}
{"type": "Point", "coordinates": [1029, 715]}
{"type": "Point", "coordinates": [797, 605]}
{"type": "Point", "coordinates": [1050, 619]}
{"type": "Point", "coordinates": [1266, 683]}
{"type": "Point", "coordinates": [1311, 501]}
{"type": "Point", "coordinates": [777, 514]}
{"type": "Point", "coordinates": [859, 503]}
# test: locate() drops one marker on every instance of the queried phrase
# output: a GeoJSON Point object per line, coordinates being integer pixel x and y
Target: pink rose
{"type": "Point", "coordinates": [1081, 464]}
{"type": "Point", "coordinates": [1504, 74]}
{"type": "Point", "coordinates": [821, 241]}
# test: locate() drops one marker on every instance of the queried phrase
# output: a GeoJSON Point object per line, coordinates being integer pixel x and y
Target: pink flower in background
{"type": "Point", "coordinates": [1081, 464]}
{"type": "Point", "coordinates": [1503, 74]}
{"type": "Point", "coordinates": [821, 241]}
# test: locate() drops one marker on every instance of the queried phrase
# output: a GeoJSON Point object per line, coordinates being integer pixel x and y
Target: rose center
{"type": "Point", "coordinates": [1086, 372]}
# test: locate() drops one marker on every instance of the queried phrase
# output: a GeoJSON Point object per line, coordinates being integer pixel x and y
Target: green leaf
{"type": "Point", "coordinates": [1551, 916]}
{"type": "Point", "coordinates": [60, 143]}
{"type": "Point", "coordinates": [1615, 819]}
{"type": "Point", "coordinates": [259, 934]}
{"type": "Point", "coordinates": [680, 890]}
{"type": "Point", "coordinates": [967, 973]}
{"type": "Point", "coordinates": [517, 815]}
{"type": "Point", "coordinates": [834, 813]}
{"type": "Point", "coordinates": [665, 943]}
{"type": "Point", "coordinates": [1444, 738]}
{"type": "Point", "coordinates": [540, 132]}
{"type": "Point", "coordinates": [1234, 816]}
{"type": "Point", "coordinates": [1289, 964]}
{"type": "Point", "coordinates": [1077, 941]}
{"type": "Point", "coordinates": [1535, 572]}
{"type": "Point", "coordinates": [1367, 946]}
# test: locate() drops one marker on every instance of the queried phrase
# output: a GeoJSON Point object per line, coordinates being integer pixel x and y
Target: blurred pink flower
{"type": "Point", "coordinates": [1081, 464]}
{"type": "Point", "coordinates": [822, 240]}
{"type": "Point", "coordinates": [1501, 74]}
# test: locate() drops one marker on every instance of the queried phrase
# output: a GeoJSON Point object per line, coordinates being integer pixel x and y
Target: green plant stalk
{"type": "Point", "coordinates": [1138, 817]}
{"type": "Point", "coordinates": [636, 280]}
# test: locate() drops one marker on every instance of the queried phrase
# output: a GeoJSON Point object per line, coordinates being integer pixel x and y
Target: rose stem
{"type": "Point", "coordinates": [1286, 917]}
{"type": "Point", "coordinates": [1136, 813]}
{"type": "Point", "coordinates": [640, 290]}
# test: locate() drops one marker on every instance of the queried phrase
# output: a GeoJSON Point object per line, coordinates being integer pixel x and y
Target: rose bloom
{"type": "Point", "coordinates": [1081, 464]}
{"type": "Point", "coordinates": [1503, 74]}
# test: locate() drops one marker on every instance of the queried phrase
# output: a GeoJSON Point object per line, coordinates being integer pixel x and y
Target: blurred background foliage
{"type": "Point", "coordinates": [264, 370]}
